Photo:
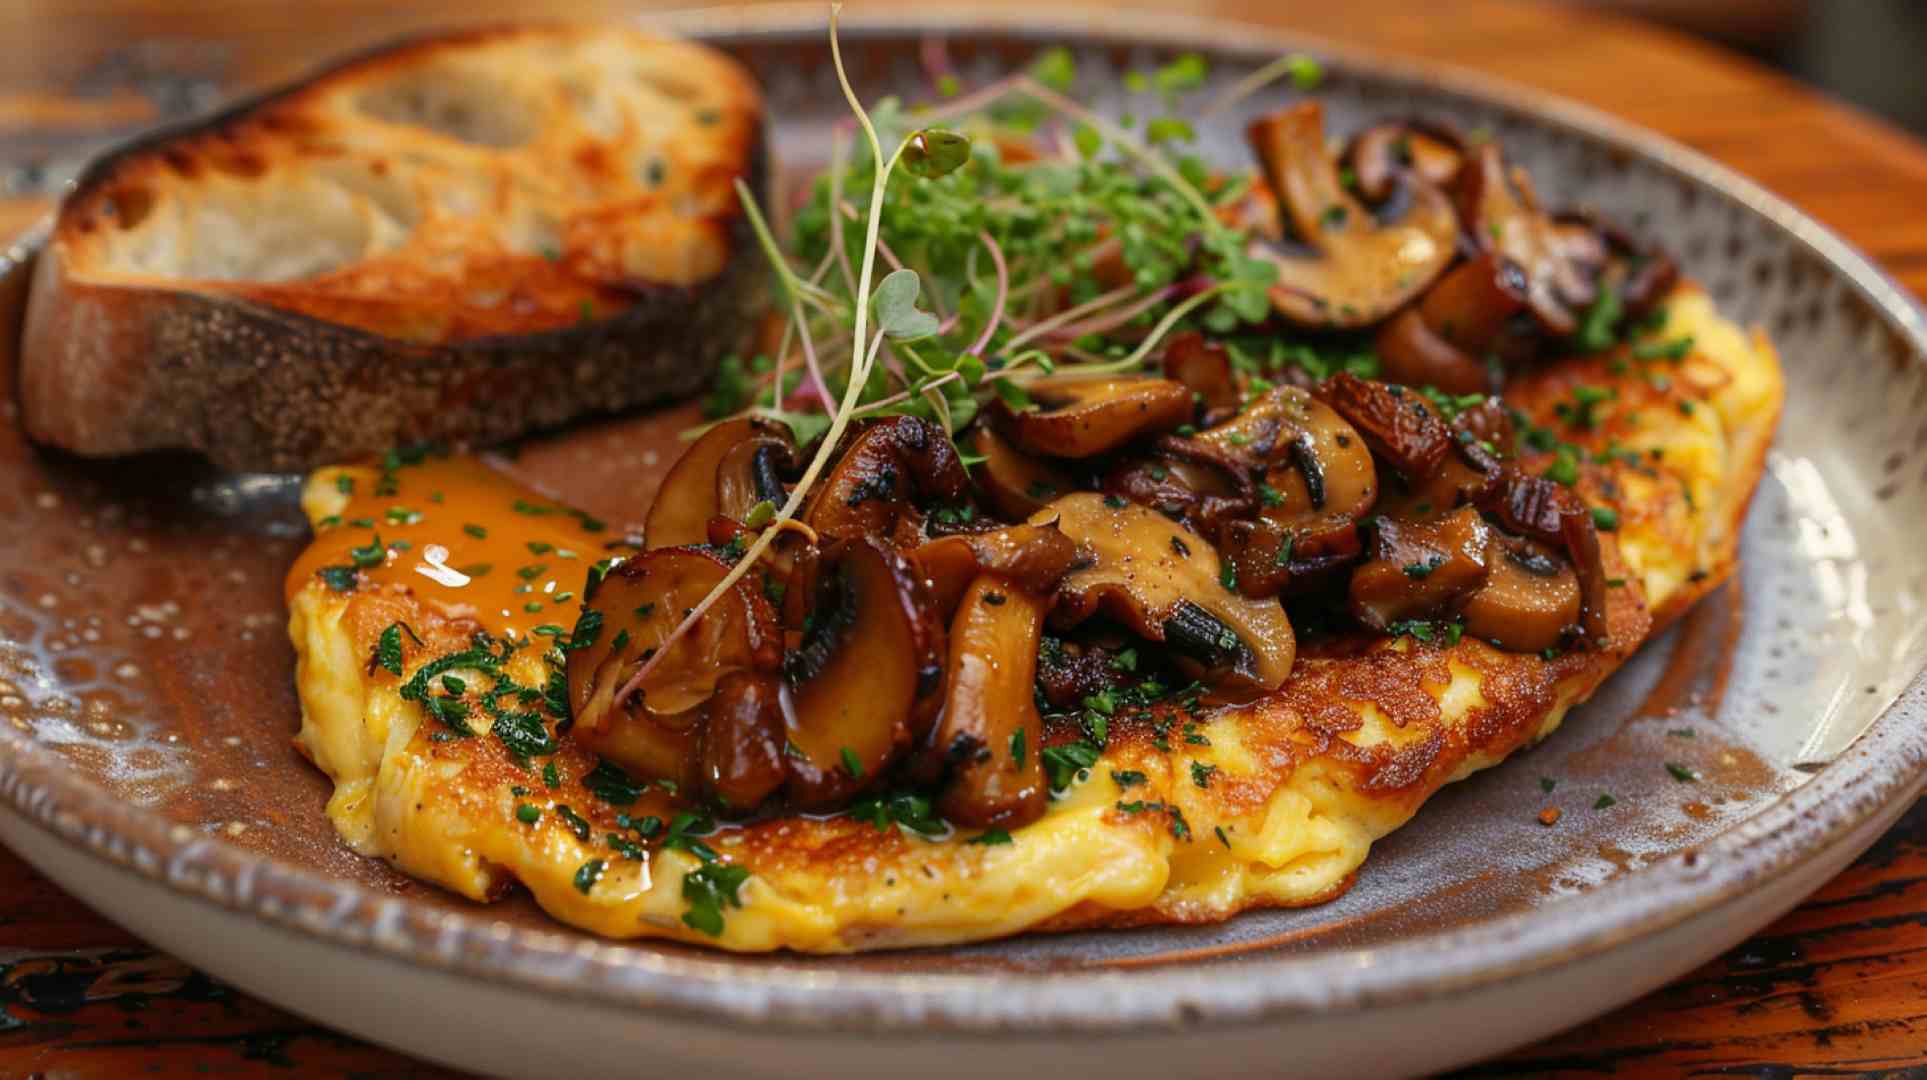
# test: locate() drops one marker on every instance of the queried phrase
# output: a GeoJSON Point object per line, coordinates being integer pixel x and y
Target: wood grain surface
{"type": "Point", "coordinates": [1838, 987]}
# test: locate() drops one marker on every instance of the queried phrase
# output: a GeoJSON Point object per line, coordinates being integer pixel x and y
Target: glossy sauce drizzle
{"type": "Point", "coordinates": [461, 536]}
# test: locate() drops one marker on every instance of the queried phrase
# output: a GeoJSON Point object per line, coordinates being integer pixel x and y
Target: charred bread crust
{"type": "Point", "coordinates": [112, 366]}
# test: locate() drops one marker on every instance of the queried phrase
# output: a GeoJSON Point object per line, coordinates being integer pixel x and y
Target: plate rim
{"type": "Point", "coordinates": [1882, 765]}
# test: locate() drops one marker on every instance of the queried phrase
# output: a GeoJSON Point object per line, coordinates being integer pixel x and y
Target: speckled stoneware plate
{"type": "Point", "coordinates": [147, 698]}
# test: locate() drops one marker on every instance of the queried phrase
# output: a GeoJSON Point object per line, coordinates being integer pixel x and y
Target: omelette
{"type": "Point", "coordinates": [431, 614]}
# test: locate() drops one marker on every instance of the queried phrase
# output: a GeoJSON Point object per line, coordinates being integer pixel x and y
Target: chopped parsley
{"type": "Point", "coordinates": [588, 874]}
{"type": "Point", "coordinates": [1419, 571]}
{"type": "Point", "coordinates": [707, 889]}
{"type": "Point", "coordinates": [612, 784]}
{"type": "Point", "coordinates": [907, 810]}
{"type": "Point", "coordinates": [576, 823]}
{"type": "Point", "coordinates": [1063, 763]}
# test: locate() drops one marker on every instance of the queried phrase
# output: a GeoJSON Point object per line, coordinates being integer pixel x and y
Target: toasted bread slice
{"type": "Point", "coordinates": [458, 239]}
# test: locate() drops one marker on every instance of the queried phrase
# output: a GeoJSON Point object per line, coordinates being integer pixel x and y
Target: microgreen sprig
{"type": "Point", "coordinates": [936, 335]}
{"type": "Point", "coordinates": [902, 317]}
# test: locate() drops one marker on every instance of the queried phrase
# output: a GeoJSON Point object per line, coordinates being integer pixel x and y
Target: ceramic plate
{"type": "Point", "coordinates": [147, 704]}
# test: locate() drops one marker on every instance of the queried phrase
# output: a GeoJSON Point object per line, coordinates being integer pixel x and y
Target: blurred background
{"type": "Point", "coordinates": [1867, 52]}
{"type": "Point", "coordinates": [76, 74]}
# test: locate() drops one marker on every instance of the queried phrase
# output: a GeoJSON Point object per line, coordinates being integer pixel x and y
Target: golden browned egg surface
{"type": "Point", "coordinates": [1192, 814]}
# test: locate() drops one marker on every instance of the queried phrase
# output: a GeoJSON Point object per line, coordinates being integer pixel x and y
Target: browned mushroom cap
{"type": "Point", "coordinates": [1444, 340]}
{"type": "Point", "coordinates": [1502, 215]}
{"type": "Point", "coordinates": [886, 469]}
{"type": "Point", "coordinates": [1642, 273]}
{"type": "Point", "coordinates": [1360, 269]}
{"type": "Point", "coordinates": [1204, 367]}
{"type": "Point", "coordinates": [742, 759]}
{"type": "Point", "coordinates": [1015, 484]}
{"type": "Point", "coordinates": [1078, 416]}
{"type": "Point", "coordinates": [990, 733]}
{"type": "Point", "coordinates": [1548, 511]}
{"type": "Point", "coordinates": [657, 731]}
{"type": "Point", "coordinates": [862, 683]}
{"type": "Point", "coordinates": [1189, 481]}
{"type": "Point", "coordinates": [1529, 601]}
{"type": "Point", "coordinates": [1168, 585]}
{"type": "Point", "coordinates": [1315, 464]}
{"type": "Point", "coordinates": [1396, 423]}
{"type": "Point", "coordinates": [1031, 557]}
{"type": "Point", "coordinates": [1384, 153]}
{"type": "Point", "coordinates": [1420, 569]}
{"type": "Point", "coordinates": [735, 465]}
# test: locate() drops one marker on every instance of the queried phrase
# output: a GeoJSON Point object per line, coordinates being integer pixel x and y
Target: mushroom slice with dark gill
{"type": "Point", "coordinates": [887, 468]}
{"type": "Point", "coordinates": [1168, 585]}
{"type": "Point", "coordinates": [1359, 269]}
{"type": "Point", "coordinates": [1530, 599]}
{"type": "Point", "coordinates": [1316, 479]}
{"type": "Point", "coordinates": [1315, 465]}
{"type": "Point", "coordinates": [1015, 484]}
{"type": "Point", "coordinates": [1502, 216]}
{"type": "Point", "coordinates": [862, 681]}
{"type": "Point", "coordinates": [990, 736]}
{"type": "Point", "coordinates": [1553, 513]}
{"type": "Point", "coordinates": [657, 730]}
{"type": "Point", "coordinates": [1642, 274]}
{"type": "Point", "coordinates": [1420, 569]}
{"type": "Point", "coordinates": [732, 467]}
{"type": "Point", "coordinates": [1383, 155]}
{"type": "Point", "coordinates": [1079, 416]}
{"type": "Point", "coordinates": [1031, 557]}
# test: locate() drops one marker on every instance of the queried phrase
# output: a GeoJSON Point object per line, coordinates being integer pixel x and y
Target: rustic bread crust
{"type": "Point", "coordinates": [599, 263]}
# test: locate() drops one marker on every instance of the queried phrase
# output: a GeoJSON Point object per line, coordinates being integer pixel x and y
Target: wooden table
{"type": "Point", "coordinates": [1837, 987]}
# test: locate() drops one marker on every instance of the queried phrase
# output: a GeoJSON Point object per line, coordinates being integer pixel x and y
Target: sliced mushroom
{"type": "Point", "coordinates": [1318, 472]}
{"type": "Point", "coordinates": [1079, 416]}
{"type": "Point", "coordinates": [1360, 269]}
{"type": "Point", "coordinates": [742, 747]}
{"type": "Point", "coordinates": [990, 732]}
{"type": "Point", "coordinates": [1530, 600]}
{"type": "Point", "coordinates": [887, 468]}
{"type": "Point", "coordinates": [1384, 154]}
{"type": "Point", "coordinates": [1016, 484]}
{"type": "Point", "coordinates": [1414, 354]}
{"type": "Point", "coordinates": [1204, 367]}
{"type": "Point", "coordinates": [1550, 512]}
{"type": "Point", "coordinates": [657, 731]}
{"type": "Point", "coordinates": [1420, 569]}
{"type": "Point", "coordinates": [1502, 216]}
{"type": "Point", "coordinates": [1643, 274]}
{"type": "Point", "coordinates": [1031, 557]}
{"type": "Point", "coordinates": [1397, 424]}
{"type": "Point", "coordinates": [735, 465]}
{"type": "Point", "coordinates": [863, 681]}
{"type": "Point", "coordinates": [1443, 340]}
{"type": "Point", "coordinates": [1168, 585]}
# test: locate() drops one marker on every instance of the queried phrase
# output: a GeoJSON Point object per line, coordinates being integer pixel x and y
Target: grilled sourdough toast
{"type": "Point", "coordinates": [455, 239]}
